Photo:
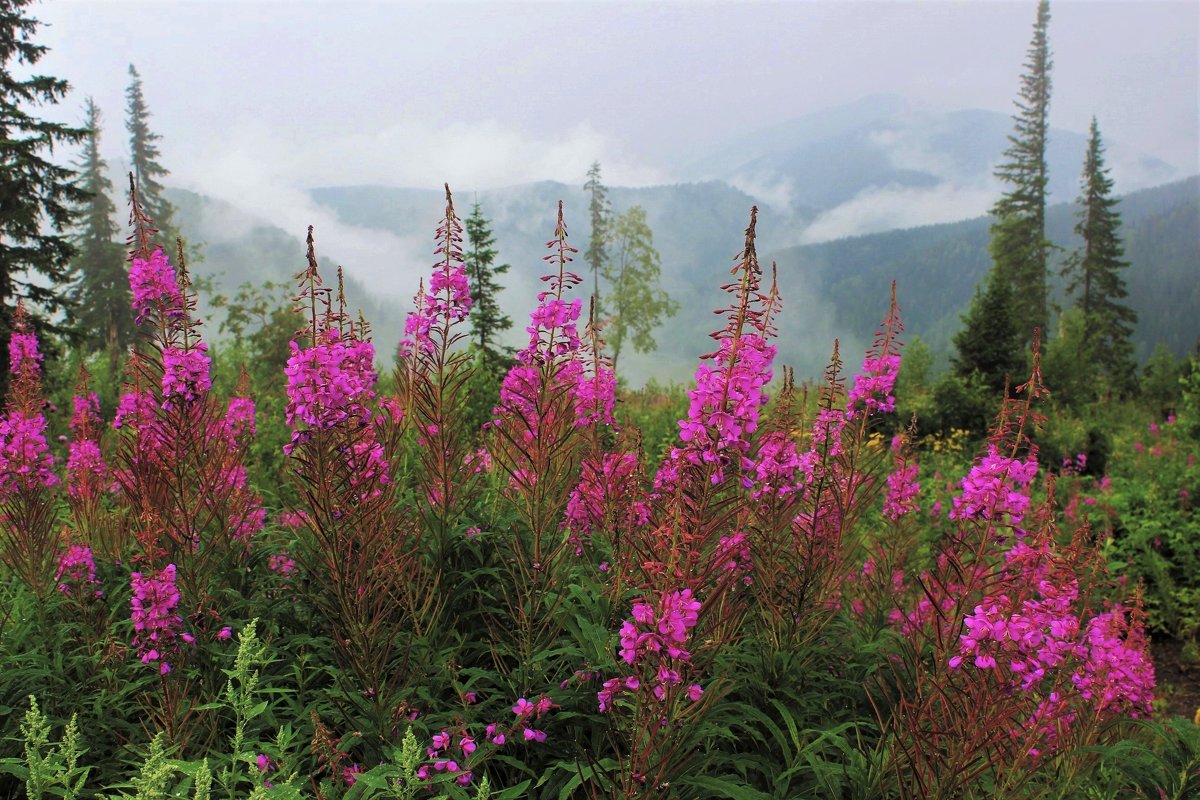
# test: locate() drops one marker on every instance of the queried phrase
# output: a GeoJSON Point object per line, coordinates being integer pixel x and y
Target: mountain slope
{"type": "Point", "coordinates": [937, 268]}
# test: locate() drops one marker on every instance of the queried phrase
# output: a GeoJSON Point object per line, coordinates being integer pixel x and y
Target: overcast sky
{"type": "Point", "coordinates": [497, 93]}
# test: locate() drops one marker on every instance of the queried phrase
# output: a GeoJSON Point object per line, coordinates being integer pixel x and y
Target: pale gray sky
{"type": "Point", "coordinates": [414, 94]}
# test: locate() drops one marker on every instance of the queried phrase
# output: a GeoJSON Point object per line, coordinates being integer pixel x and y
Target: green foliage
{"type": "Point", "coordinates": [1068, 366]}
{"type": "Point", "coordinates": [989, 344]}
{"type": "Point", "coordinates": [636, 303]}
{"type": "Point", "coordinates": [1160, 381]}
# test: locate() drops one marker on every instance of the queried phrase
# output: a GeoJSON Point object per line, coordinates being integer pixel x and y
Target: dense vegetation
{"type": "Point", "coordinates": [765, 599]}
{"type": "Point", "coordinates": [254, 567]}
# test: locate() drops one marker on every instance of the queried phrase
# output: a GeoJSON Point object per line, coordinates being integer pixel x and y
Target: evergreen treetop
{"type": "Point", "coordinates": [102, 293]}
{"type": "Point", "coordinates": [38, 198]}
{"type": "Point", "coordinates": [1095, 271]}
{"type": "Point", "coordinates": [143, 159]}
{"type": "Point", "coordinates": [488, 320]}
{"type": "Point", "coordinates": [1019, 247]}
{"type": "Point", "coordinates": [599, 211]}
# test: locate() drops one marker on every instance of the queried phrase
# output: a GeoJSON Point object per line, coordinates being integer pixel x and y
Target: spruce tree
{"type": "Point", "coordinates": [989, 344]}
{"type": "Point", "coordinates": [143, 161]}
{"type": "Point", "coordinates": [488, 321]}
{"type": "Point", "coordinates": [637, 302]}
{"type": "Point", "coordinates": [1095, 272]}
{"type": "Point", "coordinates": [599, 210]}
{"type": "Point", "coordinates": [1019, 248]}
{"type": "Point", "coordinates": [38, 198]}
{"type": "Point", "coordinates": [102, 294]}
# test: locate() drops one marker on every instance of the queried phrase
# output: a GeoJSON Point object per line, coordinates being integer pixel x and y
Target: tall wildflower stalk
{"type": "Point", "coordinates": [178, 470]}
{"type": "Point", "coordinates": [370, 587]}
{"type": "Point", "coordinates": [29, 535]}
{"type": "Point", "coordinates": [433, 379]}
{"type": "Point", "coordinates": [555, 392]}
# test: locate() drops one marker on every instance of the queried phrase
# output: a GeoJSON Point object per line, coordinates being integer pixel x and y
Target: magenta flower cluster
{"type": "Point", "coordinates": [996, 486]}
{"type": "Point", "coordinates": [873, 388]}
{"type": "Point", "coordinates": [158, 629]}
{"type": "Point", "coordinates": [655, 639]}
{"type": "Point", "coordinates": [330, 382]}
{"type": "Point", "coordinates": [77, 572]}
{"type": "Point", "coordinates": [185, 373]}
{"type": "Point", "coordinates": [25, 459]}
{"type": "Point", "coordinates": [613, 483]}
{"type": "Point", "coordinates": [1029, 631]}
{"type": "Point", "coordinates": [239, 418]}
{"type": "Point", "coordinates": [903, 488]}
{"type": "Point", "coordinates": [86, 469]}
{"type": "Point", "coordinates": [23, 352]}
{"type": "Point", "coordinates": [726, 403]}
{"type": "Point", "coordinates": [154, 287]}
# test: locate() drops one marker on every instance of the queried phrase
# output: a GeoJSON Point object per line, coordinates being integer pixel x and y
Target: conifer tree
{"type": "Point", "coordinates": [1019, 248]}
{"type": "Point", "coordinates": [989, 344]}
{"type": "Point", "coordinates": [102, 294]}
{"type": "Point", "coordinates": [1095, 271]}
{"type": "Point", "coordinates": [488, 321]}
{"type": "Point", "coordinates": [637, 302]}
{"type": "Point", "coordinates": [600, 211]}
{"type": "Point", "coordinates": [143, 161]}
{"type": "Point", "coordinates": [38, 197]}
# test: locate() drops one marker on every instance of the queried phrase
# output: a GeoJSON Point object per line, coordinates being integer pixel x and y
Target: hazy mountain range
{"type": "Point", "coordinates": [881, 164]}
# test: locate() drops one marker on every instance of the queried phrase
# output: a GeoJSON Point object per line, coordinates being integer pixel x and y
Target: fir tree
{"type": "Point", "coordinates": [488, 321]}
{"type": "Point", "coordinates": [104, 317]}
{"type": "Point", "coordinates": [599, 211]}
{"type": "Point", "coordinates": [143, 159]}
{"type": "Point", "coordinates": [637, 302]}
{"type": "Point", "coordinates": [1095, 272]}
{"type": "Point", "coordinates": [989, 344]}
{"type": "Point", "coordinates": [38, 198]}
{"type": "Point", "coordinates": [1019, 248]}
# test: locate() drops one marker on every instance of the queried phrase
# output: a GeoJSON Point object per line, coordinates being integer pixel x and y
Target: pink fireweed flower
{"type": "Point", "coordinates": [903, 488]}
{"type": "Point", "coordinates": [134, 410]}
{"type": "Point", "coordinates": [665, 628]}
{"type": "Point", "coordinates": [158, 630]}
{"type": "Point", "coordinates": [154, 286]}
{"type": "Point", "coordinates": [613, 485]}
{"type": "Point", "coordinates": [240, 417]}
{"type": "Point", "coordinates": [283, 566]}
{"type": "Point", "coordinates": [726, 403]}
{"type": "Point", "coordinates": [25, 459]}
{"type": "Point", "coordinates": [994, 487]}
{"type": "Point", "coordinates": [225, 634]}
{"type": "Point", "coordinates": [872, 388]}
{"type": "Point", "coordinates": [1117, 675]}
{"type": "Point", "coordinates": [185, 373]}
{"type": "Point", "coordinates": [595, 398]}
{"type": "Point", "coordinates": [23, 353]}
{"type": "Point", "coordinates": [77, 571]}
{"type": "Point", "coordinates": [329, 382]}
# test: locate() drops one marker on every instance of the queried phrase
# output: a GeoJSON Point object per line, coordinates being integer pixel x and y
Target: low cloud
{"type": "Point", "coordinates": [267, 172]}
{"type": "Point", "coordinates": [891, 207]}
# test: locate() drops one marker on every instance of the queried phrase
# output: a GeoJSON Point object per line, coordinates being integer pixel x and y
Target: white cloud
{"type": "Point", "coordinates": [891, 207]}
